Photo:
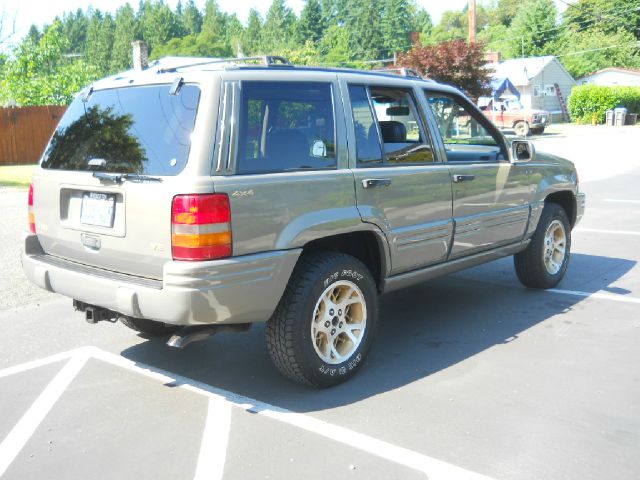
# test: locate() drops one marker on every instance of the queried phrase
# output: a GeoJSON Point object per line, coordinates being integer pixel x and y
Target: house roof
{"type": "Point", "coordinates": [521, 70]}
{"type": "Point", "coordinates": [633, 71]}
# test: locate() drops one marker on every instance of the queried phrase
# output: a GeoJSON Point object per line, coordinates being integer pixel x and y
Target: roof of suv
{"type": "Point", "coordinates": [165, 69]}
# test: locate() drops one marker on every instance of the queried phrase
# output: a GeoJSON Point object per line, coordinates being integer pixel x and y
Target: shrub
{"type": "Point", "coordinates": [589, 100]}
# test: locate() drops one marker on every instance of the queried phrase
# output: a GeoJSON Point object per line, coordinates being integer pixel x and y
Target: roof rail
{"type": "Point", "coordinates": [267, 60]}
{"type": "Point", "coordinates": [403, 71]}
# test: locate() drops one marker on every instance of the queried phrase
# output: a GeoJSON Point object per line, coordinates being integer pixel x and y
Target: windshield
{"type": "Point", "coordinates": [142, 130]}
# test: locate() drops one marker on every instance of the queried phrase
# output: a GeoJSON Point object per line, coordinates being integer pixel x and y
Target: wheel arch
{"type": "Point", "coordinates": [567, 200]}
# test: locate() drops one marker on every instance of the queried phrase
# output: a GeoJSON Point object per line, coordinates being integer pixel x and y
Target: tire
{"type": "Point", "coordinates": [149, 327]}
{"type": "Point", "coordinates": [537, 131]}
{"type": "Point", "coordinates": [299, 346]}
{"type": "Point", "coordinates": [545, 260]}
{"type": "Point", "coordinates": [522, 128]}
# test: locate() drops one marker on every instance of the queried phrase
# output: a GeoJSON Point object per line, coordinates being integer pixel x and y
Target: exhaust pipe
{"type": "Point", "coordinates": [187, 335]}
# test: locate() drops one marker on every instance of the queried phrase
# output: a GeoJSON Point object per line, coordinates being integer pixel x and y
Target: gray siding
{"type": "Point", "coordinates": [551, 74]}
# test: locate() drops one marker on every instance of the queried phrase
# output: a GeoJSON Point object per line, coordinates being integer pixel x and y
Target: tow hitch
{"type": "Point", "coordinates": [187, 335]}
{"type": "Point", "coordinates": [93, 314]}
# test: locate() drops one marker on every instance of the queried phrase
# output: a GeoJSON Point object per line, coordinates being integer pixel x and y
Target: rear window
{"type": "Point", "coordinates": [286, 126]}
{"type": "Point", "coordinates": [142, 130]}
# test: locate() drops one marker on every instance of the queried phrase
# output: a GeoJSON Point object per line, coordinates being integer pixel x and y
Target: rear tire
{"type": "Point", "coordinates": [537, 131]}
{"type": "Point", "coordinates": [544, 262]}
{"type": "Point", "coordinates": [323, 327]}
{"type": "Point", "coordinates": [522, 128]}
{"type": "Point", "coordinates": [149, 327]}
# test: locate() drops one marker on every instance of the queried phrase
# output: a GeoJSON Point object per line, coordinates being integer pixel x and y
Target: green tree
{"type": "Point", "coordinates": [609, 16]}
{"type": "Point", "coordinates": [364, 20]}
{"type": "Point", "coordinates": [533, 28]}
{"type": "Point", "coordinates": [335, 46]}
{"type": "Point", "coordinates": [202, 45]}
{"type": "Point", "coordinates": [422, 22]}
{"type": "Point", "coordinates": [100, 36]}
{"type": "Point", "coordinates": [396, 26]}
{"type": "Point", "coordinates": [158, 23]}
{"type": "Point", "coordinates": [37, 73]}
{"type": "Point", "coordinates": [311, 25]}
{"type": "Point", "coordinates": [192, 18]}
{"type": "Point", "coordinates": [126, 31]}
{"type": "Point", "coordinates": [215, 21]}
{"type": "Point", "coordinates": [74, 28]}
{"type": "Point", "coordinates": [278, 29]}
{"type": "Point", "coordinates": [252, 36]}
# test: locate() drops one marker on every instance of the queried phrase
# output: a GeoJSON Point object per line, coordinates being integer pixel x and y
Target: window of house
{"type": "Point", "coordinates": [536, 90]}
{"type": "Point", "coordinates": [549, 91]}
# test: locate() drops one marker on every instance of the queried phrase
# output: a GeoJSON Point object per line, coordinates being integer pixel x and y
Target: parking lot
{"type": "Point", "coordinates": [471, 376]}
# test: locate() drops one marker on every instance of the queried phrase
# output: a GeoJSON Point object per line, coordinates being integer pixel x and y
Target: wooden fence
{"type": "Point", "coordinates": [25, 131]}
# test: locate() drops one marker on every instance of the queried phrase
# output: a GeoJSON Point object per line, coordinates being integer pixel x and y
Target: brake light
{"type": "Point", "coordinates": [30, 215]}
{"type": "Point", "coordinates": [201, 227]}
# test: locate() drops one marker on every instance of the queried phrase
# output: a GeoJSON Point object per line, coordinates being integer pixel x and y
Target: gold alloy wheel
{"type": "Point", "coordinates": [555, 247]}
{"type": "Point", "coordinates": [339, 322]}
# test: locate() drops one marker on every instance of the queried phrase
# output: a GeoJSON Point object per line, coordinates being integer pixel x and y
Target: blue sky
{"type": "Point", "coordinates": [27, 12]}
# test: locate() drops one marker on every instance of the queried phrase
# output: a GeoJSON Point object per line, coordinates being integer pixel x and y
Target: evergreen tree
{"type": "Point", "coordinates": [235, 32]}
{"type": "Point", "coordinates": [278, 30]}
{"type": "Point", "coordinates": [252, 37]}
{"type": "Point", "coordinates": [158, 23]}
{"type": "Point", "coordinates": [396, 26]}
{"type": "Point", "coordinates": [33, 35]}
{"type": "Point", "coordinates": [192, 18]}
{"type": "Point", "coordinates": [364, 24]}
{"type": "Point", "coordinates": [126, 31]}
{"type": "Point", "coordinates": [74, 29]}
{"type": "Point", "coordinates": [311, 25]}
{"type": "Point", "coordinates": [215, 21]}
{"type": "Point", "coordinates": [533, 28]}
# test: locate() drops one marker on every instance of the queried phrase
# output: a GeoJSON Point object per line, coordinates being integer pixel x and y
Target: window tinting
{"type": "Point", "coordinates": [367, 140]}
{"type": "Point", "coordinates": [399, 126]}
{"type": "Point", "coordinates": [142, 130]}
{"type": "Point", "coordinates": [286, 126]}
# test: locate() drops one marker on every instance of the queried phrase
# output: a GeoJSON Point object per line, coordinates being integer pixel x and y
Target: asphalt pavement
{"type": "Point", "coordinates": [471, 376]}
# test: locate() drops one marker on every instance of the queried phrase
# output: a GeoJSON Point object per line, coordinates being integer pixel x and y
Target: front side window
{"type": "Point", "coordinates": [142, 130]}
{"type": "Point", "coordinates": [286, 126]}
{"type": "Point", "coordinates": [457, 125]}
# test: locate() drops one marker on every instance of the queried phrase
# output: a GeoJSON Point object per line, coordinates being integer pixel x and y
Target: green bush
{"type": "Point", "coordinates": [589, 100]}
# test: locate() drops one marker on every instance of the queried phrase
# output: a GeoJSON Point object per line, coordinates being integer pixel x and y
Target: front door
{"type": "Point", "coordinates": [490, 194]}
{"type": "Point", "coordinates": [400, 185]}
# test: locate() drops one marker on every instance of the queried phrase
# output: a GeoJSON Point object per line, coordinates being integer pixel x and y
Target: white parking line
{"type": "Point", "coordinates": [609, 232]}
{"type": "Point", "coordinates": [22, 431]}
{"type": "Point", "coordinates": [601, 296]}
{"type": "Point", "coordinates": [615, 200]}
{"type": "Point", "coordinates": [213, 448]}
{"type": "Point", "coordinates": [40, 362]}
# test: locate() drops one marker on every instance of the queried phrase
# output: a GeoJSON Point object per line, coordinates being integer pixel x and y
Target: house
{"type": "Point", "coordinates": [627, 77]}
{"type": "Point", "coordinates": [535, 78]}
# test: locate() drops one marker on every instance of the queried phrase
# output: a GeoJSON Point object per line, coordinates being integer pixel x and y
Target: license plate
{"type": "Point", "coordinates": [98, 209]}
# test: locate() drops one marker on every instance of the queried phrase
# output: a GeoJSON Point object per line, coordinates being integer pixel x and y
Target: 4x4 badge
{"type": "Point", "coordinates": [242, 193]}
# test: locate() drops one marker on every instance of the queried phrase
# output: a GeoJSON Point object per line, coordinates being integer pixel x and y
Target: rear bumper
{"type": "Point", "coordinates": [235, 290]}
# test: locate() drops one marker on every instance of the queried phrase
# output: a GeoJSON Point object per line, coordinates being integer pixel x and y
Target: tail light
{"type": "Point", "coordinates": [200, 227]}
{"type": "Point", "coordinates": [31, 216]}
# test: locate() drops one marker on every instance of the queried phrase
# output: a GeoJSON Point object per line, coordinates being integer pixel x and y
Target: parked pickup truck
{"type": "Point", "coordinates": [194, 197]}
{"type": "Point", "coordinates": [511, 114]}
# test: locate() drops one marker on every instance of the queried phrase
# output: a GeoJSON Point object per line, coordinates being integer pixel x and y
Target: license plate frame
{"type": "Point", "coordinates": [98, 209]}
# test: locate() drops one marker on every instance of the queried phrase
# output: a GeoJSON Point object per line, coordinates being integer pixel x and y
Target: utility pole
{"type": "Point", "coordinates": [472, 21]}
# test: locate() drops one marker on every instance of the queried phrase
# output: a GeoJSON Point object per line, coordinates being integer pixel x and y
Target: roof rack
{"type": "Point", "coordinates": [403, 71]}
{"type": "Point", "coordinates": [267, 61]}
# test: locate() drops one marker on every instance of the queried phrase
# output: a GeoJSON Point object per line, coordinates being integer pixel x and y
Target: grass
{"type": "Point", "coordinates": [16, 175]}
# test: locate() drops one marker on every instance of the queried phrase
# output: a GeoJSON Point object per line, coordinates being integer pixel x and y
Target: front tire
{"type": "Point", "coordinates": [323, 327]}
{"type": "Point", "coordinates": [545, 260]}
{"type": "Point", "coordinates": [522, 128]}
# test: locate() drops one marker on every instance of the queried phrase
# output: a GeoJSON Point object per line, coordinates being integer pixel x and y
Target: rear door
{"type": "Point", "coordinates": [490, 195]}
{"type": "Point", "coordinates": [400, 185]}
{"type": "Point", "coordinates": [86, 210]}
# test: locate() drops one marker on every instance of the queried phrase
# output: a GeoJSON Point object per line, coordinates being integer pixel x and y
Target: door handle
{"type": "Point", "coordinates": [376, 182]}
{"type": "Point", "coordinates": [463, 178]}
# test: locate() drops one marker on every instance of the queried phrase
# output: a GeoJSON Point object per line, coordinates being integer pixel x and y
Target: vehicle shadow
{"type": "Point", "coordinates": [423, 330]}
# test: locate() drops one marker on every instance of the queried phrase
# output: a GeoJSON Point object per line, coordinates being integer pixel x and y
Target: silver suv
{"type": "Point", "coordinates": [205, 195]}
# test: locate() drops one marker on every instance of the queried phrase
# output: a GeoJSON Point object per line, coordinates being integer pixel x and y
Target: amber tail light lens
{"type": "Point", "coordinates": [31, 216]}
{"type": "Point", "coordinates": [201, 227]}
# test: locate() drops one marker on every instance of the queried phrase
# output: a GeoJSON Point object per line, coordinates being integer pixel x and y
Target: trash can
{"type": "Point", "coordinates": [621, 116]}
{"type": "Point", "coordinates": [632, 119]}
{"type": "Point", "coordinates": [610, 118]}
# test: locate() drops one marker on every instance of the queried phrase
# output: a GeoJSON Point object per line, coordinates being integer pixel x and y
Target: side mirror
{"type": "Point", "coordinates": [522, 151]}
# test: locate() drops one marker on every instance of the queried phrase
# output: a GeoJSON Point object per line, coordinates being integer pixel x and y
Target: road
{"type": "Point", "coordinates": [472, 376]}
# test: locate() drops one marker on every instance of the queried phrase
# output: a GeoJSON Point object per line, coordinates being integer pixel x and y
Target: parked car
{"type": "Point", "coordinates": [509, 113]}
{"type": "Point", "coordinates": [193, 198]}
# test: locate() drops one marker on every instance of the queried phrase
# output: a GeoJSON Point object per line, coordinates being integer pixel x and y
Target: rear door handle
{"type": "Point", "coordinates": [376, 182]}
{"type": "Point", "coordinates": [463, 178]}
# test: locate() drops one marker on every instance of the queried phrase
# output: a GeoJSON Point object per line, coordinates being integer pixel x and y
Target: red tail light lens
{"type": "Point", "coordinates": [31, 216]}
{"type": "Point", "coordinates": [201, 227]}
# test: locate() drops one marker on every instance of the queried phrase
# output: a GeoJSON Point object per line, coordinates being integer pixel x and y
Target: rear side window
{"type": "Point", "coordinates": [142, 130]}
{"type": "Point", "coordinates": [368, 149]}
{"type": "Point", "coordinates": [286, 126]}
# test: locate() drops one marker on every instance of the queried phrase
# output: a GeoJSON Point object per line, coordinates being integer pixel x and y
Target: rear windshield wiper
{"type": "Point", "coordinates": [121, 177]}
